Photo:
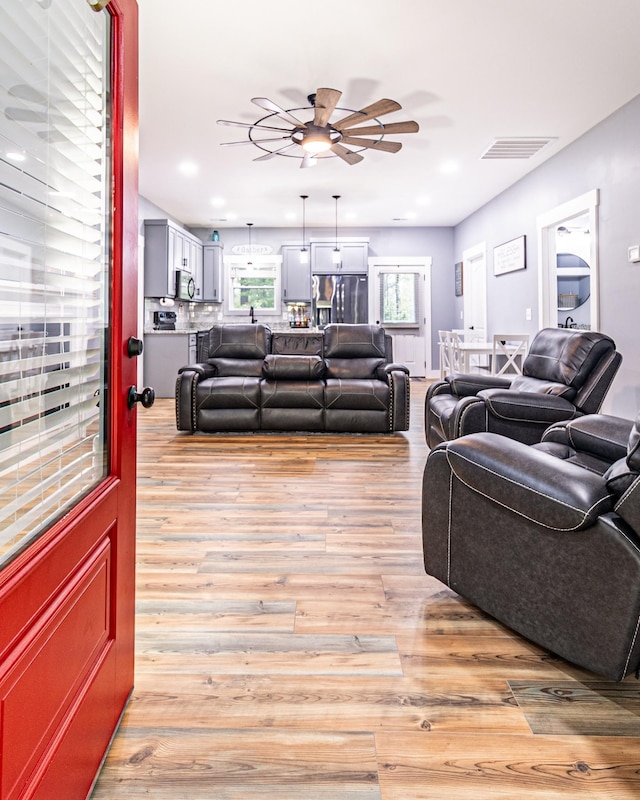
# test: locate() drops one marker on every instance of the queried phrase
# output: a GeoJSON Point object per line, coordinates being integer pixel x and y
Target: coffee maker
{"type": "Point", "coordinates": [164, 320]}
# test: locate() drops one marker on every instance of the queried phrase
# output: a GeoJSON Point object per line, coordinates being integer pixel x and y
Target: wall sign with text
{"type": "Point", "coordinates": [510, 256]}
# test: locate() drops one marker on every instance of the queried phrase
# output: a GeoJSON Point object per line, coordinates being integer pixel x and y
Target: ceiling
{"type": "Point", "coordinates": [468, 71]}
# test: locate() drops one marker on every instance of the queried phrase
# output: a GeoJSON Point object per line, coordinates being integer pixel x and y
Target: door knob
{"type": "Point", "coordinates": [147, 396]}
{"type": "Point", "coordinates": [134, 347]}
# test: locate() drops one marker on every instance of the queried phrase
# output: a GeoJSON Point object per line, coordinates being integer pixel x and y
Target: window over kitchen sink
{"type": "Point", "coordinates": [253, 282]}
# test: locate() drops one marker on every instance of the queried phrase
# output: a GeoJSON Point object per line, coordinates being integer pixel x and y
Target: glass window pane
{"type": "Point", "coordinates": [253, 284]}
{"type": "Point", "coordinates": [399, 298]}
{"type": "Point", "coordinates": [54, 261]}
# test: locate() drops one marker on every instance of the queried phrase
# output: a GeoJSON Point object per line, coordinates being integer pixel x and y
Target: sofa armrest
{"type": "Point", "coordinates": [531, 407]}
{"type": "Point", "coordinates": [186, 384]}
{"type": "Point", "coordinates": [465, 384]}
{"type": "Point", "coordinates": [599, 435]}
{"type": "Point", "coordinates": [203, 370]}
{"type": "Point", "coordinates": [384, 370]}
{"type": "Point", "coordinates": [554, 494]}
{"type": "Point", "coordinates": [399, 399]}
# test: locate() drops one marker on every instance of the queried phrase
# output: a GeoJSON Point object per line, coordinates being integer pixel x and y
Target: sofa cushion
{"type": "Point", "coordinates": [228, 393]}
{"type": "Point", "coordinates": [293, 367]}
{"type": "Point", "coordinates": [524, 383]}
{"type": "Point", "coordinates": [354, 341]}
{"type": "Point", "coordinates": [359, 394]}
{"type": "Point", "coordinates": [237, 367]}
{"type": "Point", "coordinates": [565, 356]}
{"type": "Point", "coordinates": [239, 341]}
{"type": "Point", "coordinates": [358, 368]}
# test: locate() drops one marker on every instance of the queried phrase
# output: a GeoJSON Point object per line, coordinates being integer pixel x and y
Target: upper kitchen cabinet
{"type": "Point", "coordinates": [296, 277]}
{"type": "Point", "coordinates": [167, 248]}
{"type": "Point", "coordinates": [354, 256]}
{"type": "Point", "coordinates": [212, 272]}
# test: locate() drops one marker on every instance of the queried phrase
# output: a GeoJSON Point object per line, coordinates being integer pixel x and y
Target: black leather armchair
{"type": "Point", "coordinates": [545, 538]}
{"type": "Point", "coordinates": [566, 374]}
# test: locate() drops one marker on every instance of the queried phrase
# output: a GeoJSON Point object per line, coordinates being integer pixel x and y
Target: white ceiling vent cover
{"type": "Point", "coordinates": [517, 147]}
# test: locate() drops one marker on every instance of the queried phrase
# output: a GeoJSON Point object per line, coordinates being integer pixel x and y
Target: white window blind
{"type": "Point", "coordinates": [54, 261]}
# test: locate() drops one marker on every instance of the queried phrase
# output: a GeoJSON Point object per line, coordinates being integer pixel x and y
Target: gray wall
{"type": "Point", "coordinates": [606, 158]}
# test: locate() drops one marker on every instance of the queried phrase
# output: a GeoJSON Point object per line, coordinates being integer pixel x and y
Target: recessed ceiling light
{"type": "Point", "coordinates": [16, 156]}
{"type": "Point", "coordinates": [188, 168]}
{"type": "Point", "coordinates": [351, 215]}
{"type": "Point", "coordinates": [290, 215]}
{"type": "Point", "coordinates": [424, 201]}
{"type": "Point", "coordinates": [449, 167]}
{"type": "Point", "coordinates": [218, 202]}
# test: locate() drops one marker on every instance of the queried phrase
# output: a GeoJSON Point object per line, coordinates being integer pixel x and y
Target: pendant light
{"type": "Point", "coordinates": [249, 262]}
{"type": "Point", "coordinates": [335, 256]}
{"type": "Point", "coordinates": [304, 252]}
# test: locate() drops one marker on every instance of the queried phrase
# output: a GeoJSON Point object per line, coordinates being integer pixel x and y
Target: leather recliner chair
{"type": "Point", "coordinates": [545, 538]}
{"type": "Point", "coordinates": [566, 374]}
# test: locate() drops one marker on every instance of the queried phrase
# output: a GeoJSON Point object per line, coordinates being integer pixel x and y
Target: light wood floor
{"type": "Point", "coordinates": [291, 647]}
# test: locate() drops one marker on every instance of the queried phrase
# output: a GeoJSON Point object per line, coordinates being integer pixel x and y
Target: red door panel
{"type": "Point", "coordinates": [67, 601]}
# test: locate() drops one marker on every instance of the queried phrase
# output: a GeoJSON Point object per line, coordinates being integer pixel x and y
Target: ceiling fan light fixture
{"type": "Point", "coordinates": [316, 143]}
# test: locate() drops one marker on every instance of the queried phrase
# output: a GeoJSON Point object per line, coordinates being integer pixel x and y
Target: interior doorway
{"type": "Point", "coordinates": [474, 282]}
{"type": "Point", "coordinates": [568, 264]}
{"type": "Point", "coordinates": [400, 301]}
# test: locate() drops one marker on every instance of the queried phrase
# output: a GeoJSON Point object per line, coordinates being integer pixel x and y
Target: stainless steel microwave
{"type": "Point", "coordinates": [185, 285]}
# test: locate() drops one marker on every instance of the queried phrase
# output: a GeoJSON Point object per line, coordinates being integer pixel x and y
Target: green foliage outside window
{"type": "Point", "coordinates": [399, 298]}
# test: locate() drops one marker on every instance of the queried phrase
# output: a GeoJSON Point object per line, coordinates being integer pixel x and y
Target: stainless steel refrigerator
{"type": "Point", "coordinates": [340, 298]}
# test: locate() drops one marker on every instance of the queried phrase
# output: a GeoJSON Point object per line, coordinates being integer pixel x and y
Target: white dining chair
{"type": "Point", "coordinates": [450, 356]}
{"type": "Point", "coordinates": [509, 352]}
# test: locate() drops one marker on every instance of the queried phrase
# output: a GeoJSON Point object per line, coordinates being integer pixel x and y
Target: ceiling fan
{"type": "Point", "coordinates": [319, 137]}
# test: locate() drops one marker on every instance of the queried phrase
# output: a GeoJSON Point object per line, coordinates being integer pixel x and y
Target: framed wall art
{"type": "Point", "coordinates": [458, 278]}
{"type": "Point", "coordinates": [510, 256]}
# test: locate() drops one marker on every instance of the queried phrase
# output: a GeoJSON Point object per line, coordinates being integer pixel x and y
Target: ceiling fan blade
{"type": "Point", "coordinates": [387, 147]}
{"type": "Point", "coordinates": [377, 109]}
{"type": "Point", "coordinates": [309, 160]}
{"type": "Point", "coordinates": [392, 127]}
{"type": "Point", "coordinates": [252, 125]}
{"type": "Point", "coordinates": [254, 141]}
{"type": "Point", "coordinates": [325, 102]}
{"type": "Point", "coordinates": [346, 155]}
{"type": "Point", "coordinates": [274, 153]}
{"type": "Point", "coordinates": [269, 105]}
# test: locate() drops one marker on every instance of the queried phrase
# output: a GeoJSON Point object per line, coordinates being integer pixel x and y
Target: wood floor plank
{"type": "Point", "coordinates": [326, 702]}
{"type": "Point", "coordinates": [433, 766]}
{"type": "Point", "coordinates": [236, 765]}
{"type": "Point", "coordinates": [590, 708]}
{"type": "Point", "coordinates": [247, 653]}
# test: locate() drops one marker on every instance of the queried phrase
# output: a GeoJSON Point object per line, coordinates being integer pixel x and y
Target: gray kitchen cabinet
{"type": "Point", "coordinates": [167, 248]}
{"type": "Point", "coordinates": [164, 353]}
{"type": "Point", "coordinates": [296, 277]}
{"type": "Point", "coordinates": [354, 257]}
{"type": "Point", "coordinates": [212, 272]}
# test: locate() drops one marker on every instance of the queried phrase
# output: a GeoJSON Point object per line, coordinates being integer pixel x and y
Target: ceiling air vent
{"type": "Point", "coordinates": [517, 147]}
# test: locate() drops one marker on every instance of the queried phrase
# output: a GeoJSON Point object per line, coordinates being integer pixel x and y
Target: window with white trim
{"type": "Point", "coordinates": [253, 282]}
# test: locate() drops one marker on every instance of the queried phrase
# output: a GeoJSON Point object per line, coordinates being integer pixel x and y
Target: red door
{"type": "Point", "coordinates": [68, 264]}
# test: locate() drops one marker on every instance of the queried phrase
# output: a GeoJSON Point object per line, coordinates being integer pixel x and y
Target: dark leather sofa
{"type": "Point", "coordinates": [566, 374]}
{"type": "Point", "coordinates": [248, 379]}
{"type": "Point", "coordinates": [545, 537]}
